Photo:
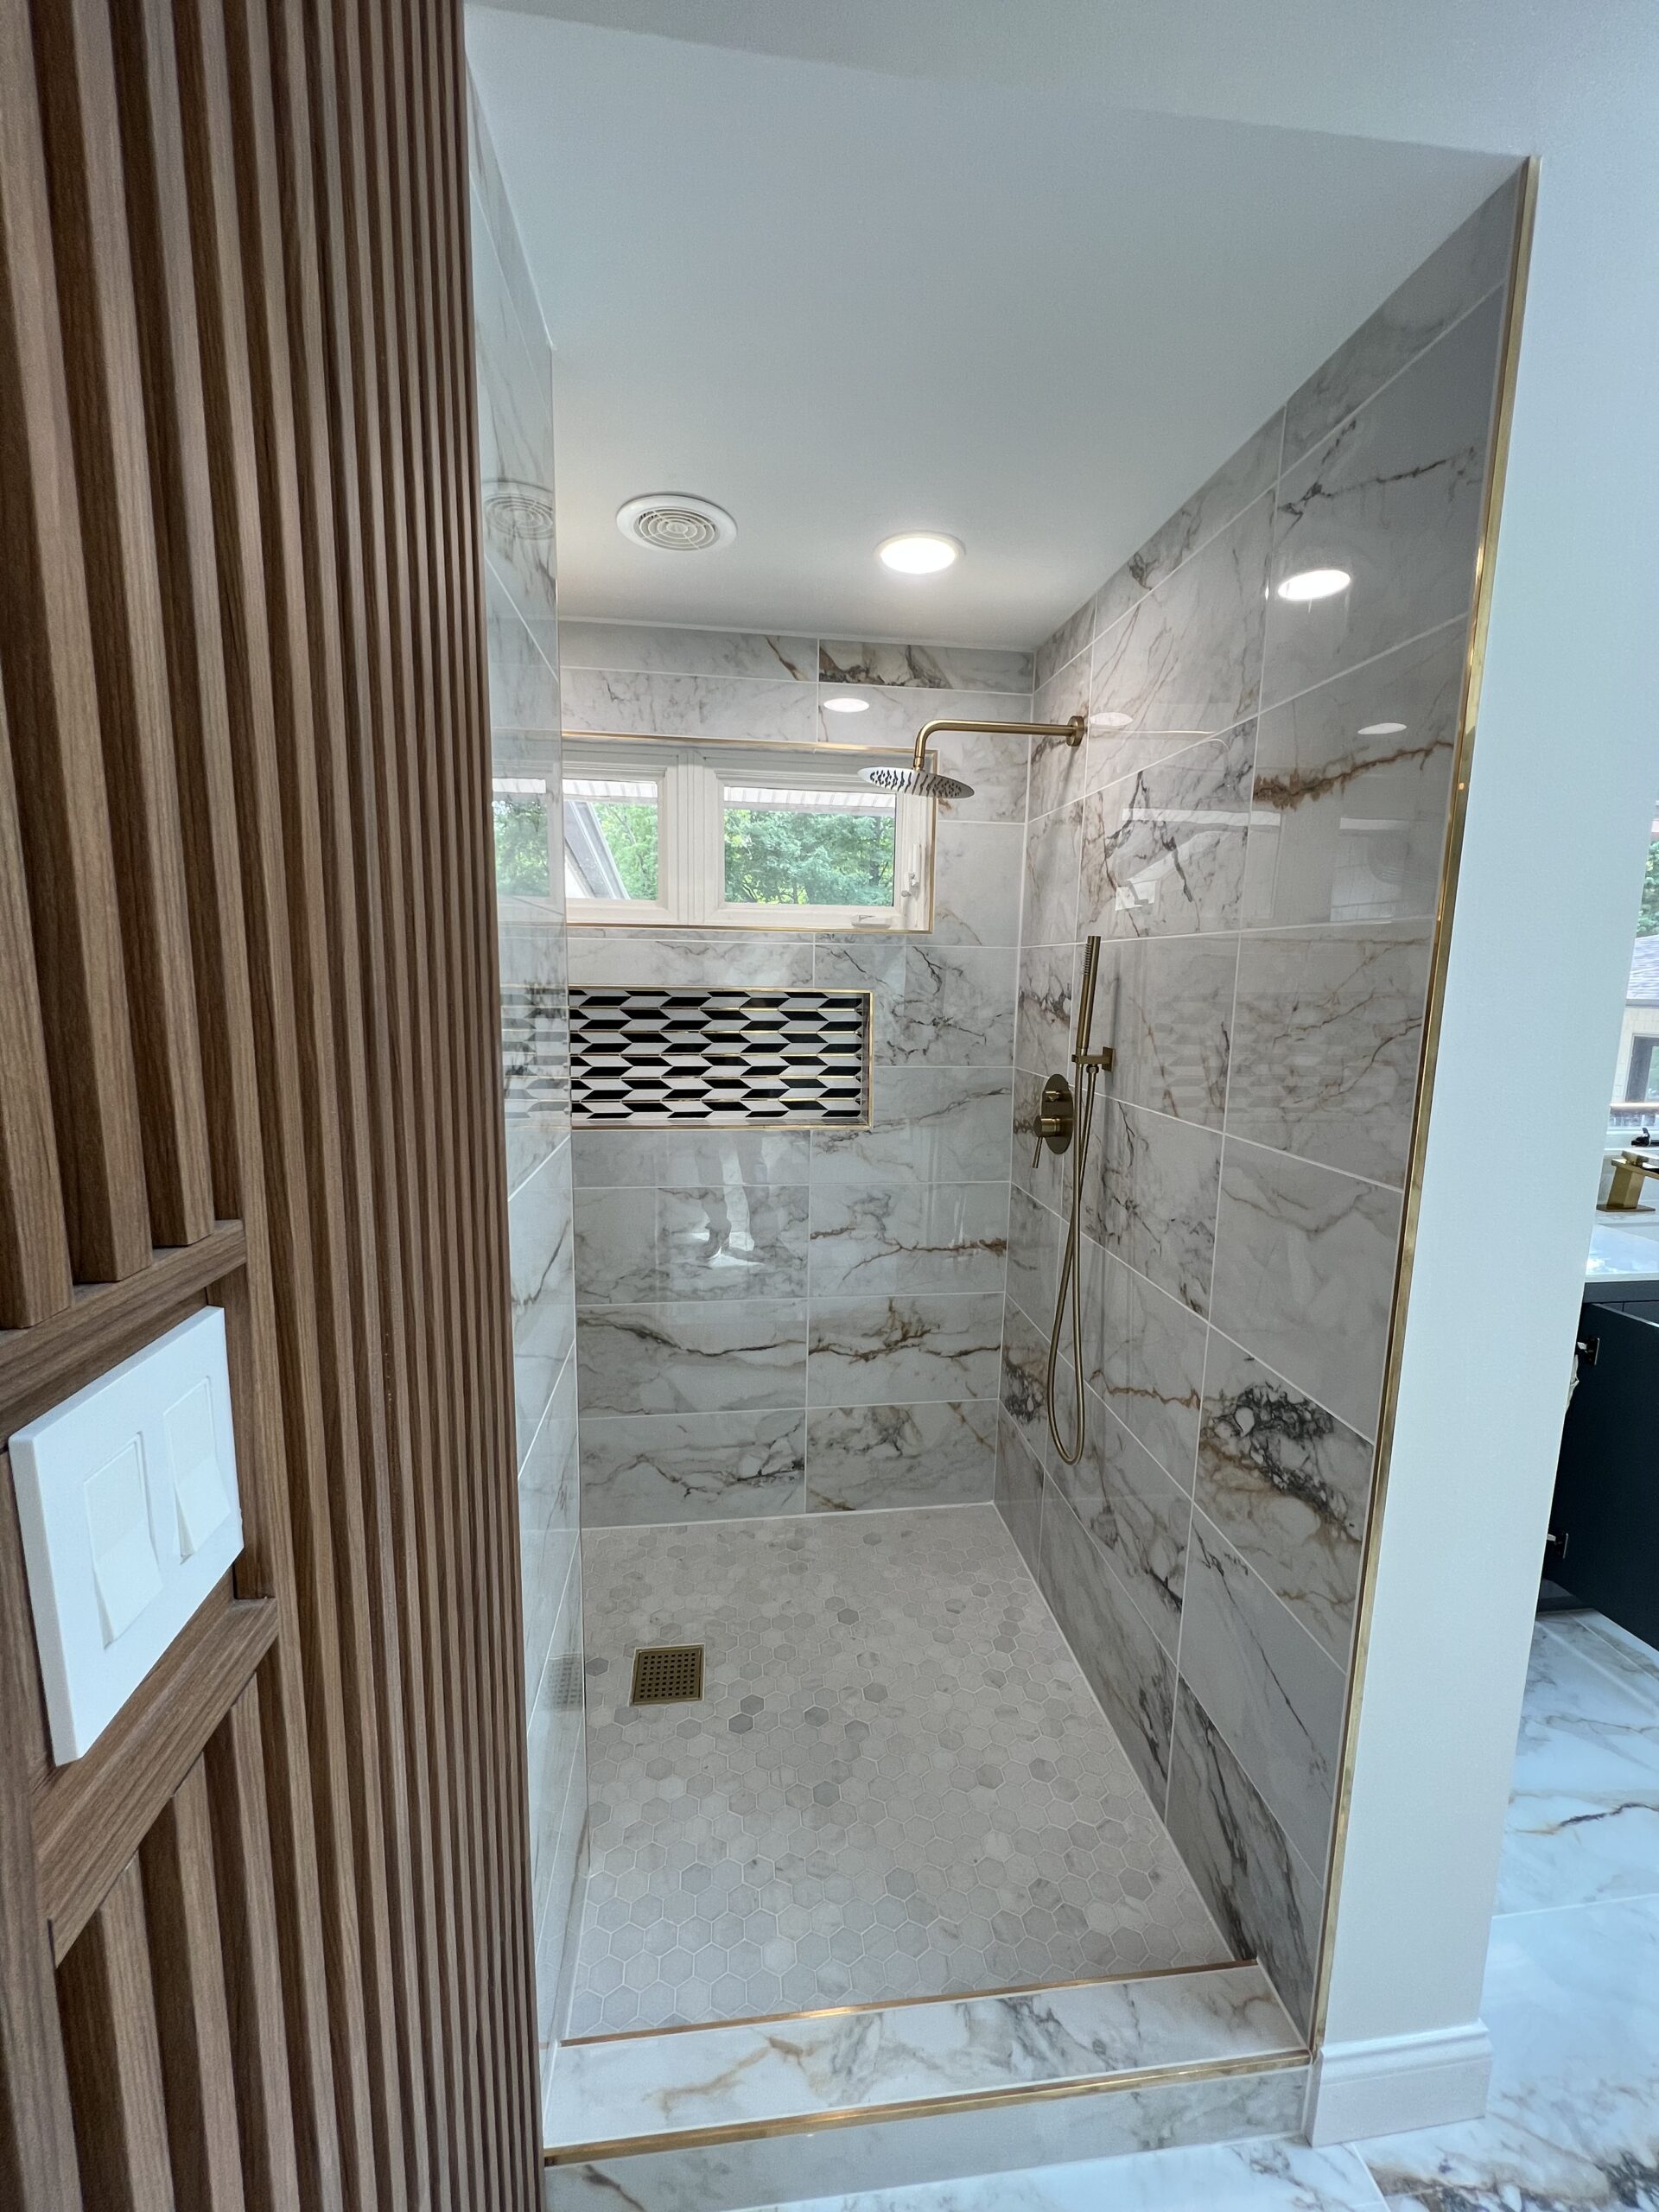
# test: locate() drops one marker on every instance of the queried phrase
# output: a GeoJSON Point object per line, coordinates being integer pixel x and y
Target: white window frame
{"type": "Point", "coordinates": [692, 777]}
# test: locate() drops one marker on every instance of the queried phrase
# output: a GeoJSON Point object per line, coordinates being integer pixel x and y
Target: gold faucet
{"type": "Point", "coordinates": [1625, 1192]}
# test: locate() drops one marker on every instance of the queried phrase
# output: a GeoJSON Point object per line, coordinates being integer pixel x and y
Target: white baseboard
{"type": "Point", "coordinates": [1398, 2082]}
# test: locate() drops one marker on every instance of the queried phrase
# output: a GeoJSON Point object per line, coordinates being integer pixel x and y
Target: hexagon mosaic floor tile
{"type": "Point", "coordinates": [896, 1783]}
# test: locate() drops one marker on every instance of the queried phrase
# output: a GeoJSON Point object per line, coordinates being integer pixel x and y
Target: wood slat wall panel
{"type": "Point", "coordinates": [46, 656]}
{"type": "Point", "coordinates": [289, 1887]}
{"type": "Point", "coordinates": [181, 1909]}
{"type": "Point", "coordinates": [108, 2004]}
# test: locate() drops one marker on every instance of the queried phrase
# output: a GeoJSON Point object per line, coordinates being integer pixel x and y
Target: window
{"type": "Point", "coordinates": [730, 835]}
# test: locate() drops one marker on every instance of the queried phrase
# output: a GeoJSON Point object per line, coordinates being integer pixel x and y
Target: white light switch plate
{"type": "Point", "coordinates": [128, 1504]}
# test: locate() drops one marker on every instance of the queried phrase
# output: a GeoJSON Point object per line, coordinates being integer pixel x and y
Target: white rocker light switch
{"type": "Point", "coordinates": [127, 1501]}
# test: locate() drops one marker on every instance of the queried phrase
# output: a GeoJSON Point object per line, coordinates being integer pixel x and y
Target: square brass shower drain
{"type": "Point", "coordinates": [667, 1674]}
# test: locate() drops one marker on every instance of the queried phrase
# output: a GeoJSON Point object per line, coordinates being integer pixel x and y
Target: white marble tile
{"type": "Point", "coordinates": [1019, 1489]}
{"type": "Point", "coordinates": [687, 1158]}
{"type": "Point", "coordinates": [1187, 655]}
{"type": "Point", "coordinates": [1273, 2176]}
{"type": "Point", "coordinates": [1047, 1008]}
{"type": "Point", "coordinates": [1237, 484]}
{"type": "Point", "coordinates": [1164, 1007]}
{"type": "Point", "coordinates": [692, 1356]}
{"type": "Point", "coordinates": [1275, 1694]}
{"type": "Point", "coordinates": [719, 2076]}
{"type": "Point", "coordinates": [928, 1125]}
{"type": "Point", "coordinates": [1353, 781]}
{"type": "Point", "coordinates": [1163, 851]}
{"type": "Point", "coordinates": [1304, 1275]}
{"type": "Point", "coordinates": [996, 766]}
{"type": "Point", "coordinates": [878, 1238]}
{"type": "Point", "coordinates": [927, 668]}
{"type": "Point", "coordinates": [1046, 1174]}
{"type": "Point", "coordinates": [547, 1523]}
{"type": "Point", "coordinates": [1127, 1668]}
{"type": "Point", "coordinates": [1145, 1355]}
{"type": "Point", "coordinates": [1064, 643]}
{"type": "Point", "coordinates": [886, 2155]}
{"type": "Point", "coordinates": [1022, 1383]}
{"type": "Point", "coordinates": [956, 1006]}
{"type": "Point", "coordinates": [873, 1351]}
{"type": "Point", "coordinates": [614, 957]}
{"type": "Point", "coordinates": [723, 1241]}
{"type": "Point", "coordinates": [863, 1457]}
{"type": "Point", "coordinates": [523, 682]}
{"type": "Point", "coordinates": [1265, 1897]}
{"type": "Point", "coordinates": [1150, 1197]}
{"type": "Point", "coordinates": [1136, 1514]}
{"type": "Point", "coordinates": [1035, 1240]}
{"type": "Point", "coordinates": [976, 883]}
{"type": "Point", "coordinates": [894, 713]}
{"type": "Point", "coordinates": [646, 1468]}
{"type": "Point", "coordinates": [1289, 1484]}
{"type": "Point", "coordinates": [1584, 1812]}
{"type": "Point", "coordinates": [1059, 770]}
{"type": "Point", "coordinates": [1394, 498]}
{"type": "Point", "coordinates": [1053, 860]}
{"type": "Point", "coordinates": [1327, 1034]}
{"type": "Point", "coordinates": [1457, 273]}
{"type": "Point", "coordinates": [649, 649]}
{"type": "Point", "coordinates": [555, 1734]}
{"type": "Point", "coordinates": [638, 703]}
{"type": "Point", "coordinates": [1572, 1999]}
{"type": "Point", "coordinates": [541, 1266]}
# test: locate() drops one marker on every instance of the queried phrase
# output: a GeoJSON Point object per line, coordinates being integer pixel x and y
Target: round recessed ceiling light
{"type": "Point", "coordinates": [846, 706]}
{"type": "Point", "coordinates": [1308, 584]}
{"type": "Point", "coordinates": [921, 552]}
{"type": "Point", "coordinates": [1113, 721]}
{"type": "Point", "coordinates": [675, 522]}
{"type": "Point", "coordinates": [1380, 729]}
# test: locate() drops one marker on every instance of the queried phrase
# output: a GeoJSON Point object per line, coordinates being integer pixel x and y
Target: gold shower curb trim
{"type": "Point", "coordinates": [1019, 2092]}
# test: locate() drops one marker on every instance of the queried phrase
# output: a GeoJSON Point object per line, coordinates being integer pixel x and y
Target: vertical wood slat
{"type": "Point", "coordinates": [155, 178]}
{"type": "Point", "coordinates": [34, 1278]}
{"type": "Point", "coordinates": [181, 1907]}
{"type": "Point", "coordinates": [38, 2164]}
{"type": "Point", "coordinates": [46, 656]}
{"type": "Point", "coordinates": [241, 1840]}
{"type": "Point", "coordinates": [220, 286]}
{"type": "Point", "coordinates": [114, 2057]}
{"type": "Point", "coordinates": [105, 393]}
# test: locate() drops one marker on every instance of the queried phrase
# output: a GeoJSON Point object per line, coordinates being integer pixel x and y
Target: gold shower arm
{"type": "Point", "coordinates": [1071, 731]}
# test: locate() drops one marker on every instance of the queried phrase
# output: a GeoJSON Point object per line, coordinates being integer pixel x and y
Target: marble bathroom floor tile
{"type": "Point", "coordinates": [717, 2076]}
{"type": "Point", "coordinates": [1584, 1809]}
{"type": "Point", "coordinates": [898, 1782]}
{"type": "Point", "coordinates": [1274, 2176]}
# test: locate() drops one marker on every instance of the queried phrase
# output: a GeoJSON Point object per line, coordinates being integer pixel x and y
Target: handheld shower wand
{"type": "Point", "coordinates": [1066, 1121]}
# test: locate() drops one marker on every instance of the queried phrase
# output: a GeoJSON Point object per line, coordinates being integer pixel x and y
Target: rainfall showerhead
{"type": "Point", "coordinates": [920, 781]}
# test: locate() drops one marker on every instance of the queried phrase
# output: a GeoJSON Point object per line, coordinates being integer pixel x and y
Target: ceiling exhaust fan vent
{"type": "Point", "coordinates": [674, 522]}
{"type": "Point", "coordinates": [519, 510]}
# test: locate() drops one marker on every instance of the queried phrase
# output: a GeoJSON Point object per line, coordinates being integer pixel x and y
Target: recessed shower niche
{"type": "Point", "coordinates": [1013, 1776]}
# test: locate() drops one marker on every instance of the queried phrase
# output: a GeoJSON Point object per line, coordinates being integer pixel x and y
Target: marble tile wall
{"type": "Point", "coordinates": [514, 373]}
{"type": "Point", "coordinates": [772, 1321]}
{"type": "Point", "coordinates": [1258, 843]}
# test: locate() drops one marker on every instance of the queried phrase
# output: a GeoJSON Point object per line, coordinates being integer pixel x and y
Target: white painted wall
{"type": "Point", "coordinates": [1563, 783]}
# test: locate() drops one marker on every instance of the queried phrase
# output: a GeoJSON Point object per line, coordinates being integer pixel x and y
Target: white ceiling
{"type": "Point", "coordinates": [843, 302]}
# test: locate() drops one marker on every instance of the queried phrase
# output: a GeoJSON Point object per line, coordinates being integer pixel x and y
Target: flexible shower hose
{"type": "Point", "coordinates": [1070, 1278]}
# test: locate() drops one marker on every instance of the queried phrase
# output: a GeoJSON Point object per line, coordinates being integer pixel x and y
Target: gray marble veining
{"type": "Point", "coordinates": [879, 1457]}
{"type": "Point", "coordinates": [976, 883]}
{"type": "Point", "coordinates": [1151, 1198]}
{"type": "Point", "coordinates": [1187, 655]}
{"type": "Point", "coordinates": [1163, 851]}
{"type": "Point", "coordinates": [1165, 1006]}
{"type": "Point", "coordinates": [955, 1008]}
{"type": "Point", "coordinates": [1019, 1489]}
{"type": "Point", "coordinates": [1469, 264]}
{"type": "Point", "coordinates": [1128, 1669]}
{"type": "Point", "coordinates": [1052, 852]}
{"type": "Point", "coordinates": [1145, 1354]}
{"type": "Point", "coordinates": [1289, 1484]}
{"type": "Point", "coordinates": [547, 1523]}
{"type": "Point", "coordinates": [1348, 805]}
{"type": "Point", "coordinates": [637, 702]}
{"type": "Point", "coordinates": [1392, 497]}
{"type": "Point", "coordinates": [1047, 985]}
{"type": "Point", "coordinates": [1305, 1262]}
{"type": "Point", "coordinates": [647, 650]}
{"type": "Point", "coordinates": [928, 1125]}
{"type": "Point", "coordinates": [1261, 1892]}
{"type": "Point", "coordinates": [642, 1468]}
{"type": "Point", "coordinates": [930, 1236]}
{"type": "Point", "coordinates": [724, 1241]}
{"type": "Point", "coordinates": [686, 959]}
{"type": "Point", "coordinates": [692, 1356]}
{"type": "Point", "coordinates": [1137, 1515]}
{"type": "Point", "coordinates": [1327, 1034]}
{"type": "Point", "coordinates": [1237, 484]}
{"type": "Point", "coordinates": [1269, 1688]}
{"type": "Point", "coordinates": [872, 1352]}
{"type": "Point", "coordinates": [927, 668]}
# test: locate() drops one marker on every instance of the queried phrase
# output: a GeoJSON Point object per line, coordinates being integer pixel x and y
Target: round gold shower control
{"type": "Point", "coordinates": [1056, 1117]}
